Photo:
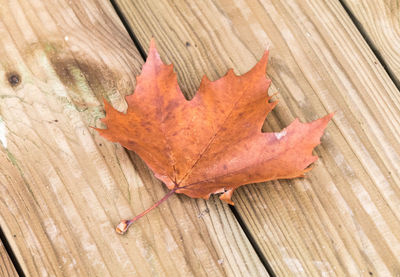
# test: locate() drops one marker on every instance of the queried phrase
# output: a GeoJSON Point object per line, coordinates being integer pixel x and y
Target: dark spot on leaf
{"type": "Point", "coordinates": [370, 273]}
{"type": "Point", "coordinates": [13, 78]}
{"type": "Point", "coordinates": [55, 120]}
{"type": "Point", "coordinates": [188, 44]}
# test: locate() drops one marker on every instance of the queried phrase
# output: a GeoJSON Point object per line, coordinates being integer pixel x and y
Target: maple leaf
{"type": "Point", "coordinates": [212, 143]}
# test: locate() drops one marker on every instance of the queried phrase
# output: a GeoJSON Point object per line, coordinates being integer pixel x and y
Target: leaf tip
{"type": "Point", "coordinates": [266, 54]}
{"type": "Point", "coordinates": [205, 80]}
{"type": "Point", "coordinates": [153, 53]}
{"type": "Point", "coordinates": [106, 104]}
{"type": "Point", "coordinates": [152, 43]}
{"type": "Point", "coordinates": [331, 115]}
{"type": "Point", "coordinates": [264, 59]}
{"type": "Point", "coordinates": [261, 66]}
{"type": "Point", "coordinates": [230, 72]}
{"type": "Point", "coordinates": [96, 129]}
{"type": "Point", "coordinates": [226, 197]}
{"type": "Point", "coordinates": [325, 120]}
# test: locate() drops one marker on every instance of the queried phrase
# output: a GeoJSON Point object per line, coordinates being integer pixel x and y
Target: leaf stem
{"type": "Point", "coordinates": [123, 226]}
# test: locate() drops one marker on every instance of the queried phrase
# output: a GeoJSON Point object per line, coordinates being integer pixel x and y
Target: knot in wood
{"type": "Point", "coordinates": [14, 79]}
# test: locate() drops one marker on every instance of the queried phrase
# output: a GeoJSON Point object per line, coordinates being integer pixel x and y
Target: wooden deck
{"type": "Point", "coordinates": [63, 188]}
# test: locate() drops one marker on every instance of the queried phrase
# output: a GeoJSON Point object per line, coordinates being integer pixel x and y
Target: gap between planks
{"type": "Point", "coordinates": [371, 44]}
{"type": "Point", "coordinates": [9, 265]}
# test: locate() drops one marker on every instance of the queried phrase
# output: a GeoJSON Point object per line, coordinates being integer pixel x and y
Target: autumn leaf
{"type": "Point", "coordinates": [212, 143]}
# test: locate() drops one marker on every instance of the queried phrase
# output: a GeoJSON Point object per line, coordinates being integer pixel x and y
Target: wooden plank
{"type": "Point", "coordinates": [380, 22]}
{"type": "Point", "coordinates": [344, 218]}
{"type": "Point", "coordinates": [6, 266]}
{"type": "Point", "coordinates": [63, 188]}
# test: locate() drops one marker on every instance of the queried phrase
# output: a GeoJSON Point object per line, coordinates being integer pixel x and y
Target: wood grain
{"type": "Point", "coordinates": [63, 188]}
{"type": "Point", "coordinates": [7, 268]}
{"type": "Point", "coordinates": [380, 22]}
{"type": "Point", "coordinates": [342, 220]}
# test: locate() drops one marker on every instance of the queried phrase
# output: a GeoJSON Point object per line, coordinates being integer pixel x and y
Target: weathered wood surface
{"type": "Point", "coordinates": [7, 268]}
{"type": "Point", "coordinates": [380, 22]}
{"type": "Point", "coordinates": [344, 219]}
{"type": "Point", "coordinates": [62, 187]}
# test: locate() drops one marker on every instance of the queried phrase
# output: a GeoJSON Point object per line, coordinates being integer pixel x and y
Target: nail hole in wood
{"type": "Point", "coordinates": [13, 78]}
